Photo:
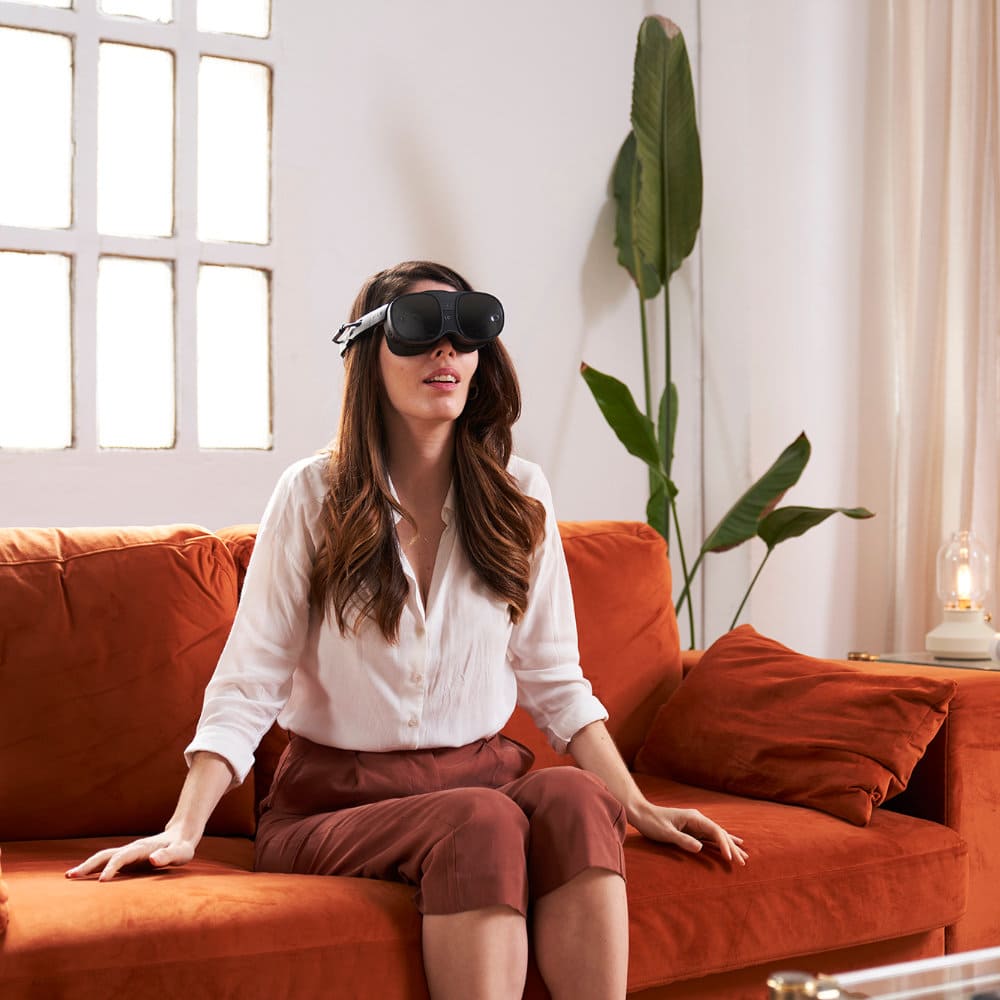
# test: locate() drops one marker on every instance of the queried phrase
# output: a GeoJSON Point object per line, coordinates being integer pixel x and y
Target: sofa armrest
{"type": "Point", "coordinates": [957, 783]}
{"type": "Point", "coordinates": [690, 658]}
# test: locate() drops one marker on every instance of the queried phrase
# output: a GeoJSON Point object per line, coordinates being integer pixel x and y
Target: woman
{"type": "Point", "coordinates": [405, 591]}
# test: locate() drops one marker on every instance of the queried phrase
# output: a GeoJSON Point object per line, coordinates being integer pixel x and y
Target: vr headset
{"type": "Point", "coordinates": [416, 321]}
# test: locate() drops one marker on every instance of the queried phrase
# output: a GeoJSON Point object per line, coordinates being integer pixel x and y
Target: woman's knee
{"type": "Point", "coordinates": [576, 824]}
{"type": "Point", "coordinates": [482, 860]}
{"type": "Point", "coordinates": [566, 793]}
{"type": "Point", "coordinates": [484, 816]}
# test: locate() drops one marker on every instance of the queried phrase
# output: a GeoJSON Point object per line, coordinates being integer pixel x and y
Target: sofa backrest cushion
{"type": "Point", "coordinates": [108, 638]}
{"type": "Point", "coordinates": [629, 642]}
{"type": "Point", "coordinates": [239, 539]}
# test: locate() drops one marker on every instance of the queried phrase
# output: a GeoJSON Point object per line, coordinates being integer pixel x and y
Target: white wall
{"type": "Point", "coordinates": [480, 135]}
{"type": "Point", "coordinates": [783, 126]}
{"type": "Point", "coordinates": [483, 135]}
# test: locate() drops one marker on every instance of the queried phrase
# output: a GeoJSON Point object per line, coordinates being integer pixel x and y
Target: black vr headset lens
{"type": "Point", "coordinates": [416, 321]}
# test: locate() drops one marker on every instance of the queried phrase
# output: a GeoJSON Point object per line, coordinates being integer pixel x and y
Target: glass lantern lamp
{"type": "Point", "coordinates": [963, 581]}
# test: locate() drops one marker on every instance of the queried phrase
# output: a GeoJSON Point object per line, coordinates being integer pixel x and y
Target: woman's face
{"type": "Point", "coordinates": [430, 387]}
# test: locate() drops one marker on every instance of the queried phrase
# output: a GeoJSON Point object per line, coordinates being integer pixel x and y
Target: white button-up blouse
{"type": "Point", "coordinates": [454, 676]}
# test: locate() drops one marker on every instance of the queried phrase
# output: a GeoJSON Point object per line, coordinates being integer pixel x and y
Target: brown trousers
{"type": "Point", "coordinates": [467, 825]}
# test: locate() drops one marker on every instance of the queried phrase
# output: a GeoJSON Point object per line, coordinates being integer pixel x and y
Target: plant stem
{"type": "Point", "coordinates": [684, 568]}
{"type": "Point", "coordinates": [688, 578]}
{"type": "Point", "coordinates": [645, 357]}
{"type": "Point", "coordinates": [669, 459]}
{"type": "Point", "coordinates": [667, 254]}
{"type": "Point", "coordinates": [746, 596]}
{"type": "Point", "coordinates": [645, 375]}
{"type": "Point", "coordinates": [667, 364]}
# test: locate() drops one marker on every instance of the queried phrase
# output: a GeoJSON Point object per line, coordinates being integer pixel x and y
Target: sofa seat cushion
{"type": "Point", "coordinates": [813, 883]}
{"type": "Point", "coordinates": [206, 930]}
{"type": "Point", "coordinates": [213, 928]}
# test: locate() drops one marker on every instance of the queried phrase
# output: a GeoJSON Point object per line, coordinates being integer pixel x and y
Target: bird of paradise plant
{"type": "Point", "coordinates": [657, 186]}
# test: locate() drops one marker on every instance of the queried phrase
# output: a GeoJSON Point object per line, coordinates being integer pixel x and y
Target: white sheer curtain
{"type": "Point", "coordinates": [932, 279]}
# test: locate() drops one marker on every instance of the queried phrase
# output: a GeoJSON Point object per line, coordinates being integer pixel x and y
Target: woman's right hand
{"type": "Point", "coordinates": [207, 781]}
{"type": "Point", "coordinates": [161, 850]}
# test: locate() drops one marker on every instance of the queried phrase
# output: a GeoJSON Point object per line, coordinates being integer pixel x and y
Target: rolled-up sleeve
{"type": "Point", "coordinates": [253, 678]}
{"type": "Point", "coordinates": [543, 650]}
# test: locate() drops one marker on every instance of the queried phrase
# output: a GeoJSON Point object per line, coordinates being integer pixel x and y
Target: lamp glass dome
{"type": "Point", "coordinates": [963, 572]}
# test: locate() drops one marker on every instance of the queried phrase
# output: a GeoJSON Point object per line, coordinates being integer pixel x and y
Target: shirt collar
{"type": "Point", "coordinates": [449, 504]}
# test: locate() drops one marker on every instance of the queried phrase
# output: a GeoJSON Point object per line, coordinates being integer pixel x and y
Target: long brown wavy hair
{"type": "Point", "coordinates": [357, 573]}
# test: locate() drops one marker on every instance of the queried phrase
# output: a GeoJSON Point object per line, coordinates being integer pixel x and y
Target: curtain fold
{"type": "Point", "coordinates": [934, 293]}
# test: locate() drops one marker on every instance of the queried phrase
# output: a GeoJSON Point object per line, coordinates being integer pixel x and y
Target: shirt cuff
{"type": "Point", "coordinates": [227, 745]}
{"type": "Point", "coordinates": [581, 713]}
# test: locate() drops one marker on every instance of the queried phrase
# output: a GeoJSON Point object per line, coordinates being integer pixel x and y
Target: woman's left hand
{"type": "Point", "coordinates": [687, 829]}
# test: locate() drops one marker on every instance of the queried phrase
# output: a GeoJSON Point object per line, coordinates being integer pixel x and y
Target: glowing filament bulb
{"type": "Point", "coordinates": [964, 586]}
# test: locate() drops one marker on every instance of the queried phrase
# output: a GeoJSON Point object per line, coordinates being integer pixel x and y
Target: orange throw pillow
{"type": "Point", "coordinates": [755, 718]}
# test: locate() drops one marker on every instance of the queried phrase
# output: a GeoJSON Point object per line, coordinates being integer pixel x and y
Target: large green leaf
{"type": "Point", "coordinates": [657, 509]}
{"type": "Point", "coordinates": [740, 522]}
{"type": "Point", "coordinates": [667, 426]}
{"type": "Point", "coordinates": [668, 152]}
{"type": "Point", "coordinates": [625, 186]}
{"type": "Point", "coordinates": [633, 428]}
{"type": "Point", "coordinates": [661, 492]}
{"type": "Point", "coordinates": [790, 522]}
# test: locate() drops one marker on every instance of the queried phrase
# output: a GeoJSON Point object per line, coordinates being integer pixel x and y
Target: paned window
{"type": "Point", "coordinates": [135, 224]}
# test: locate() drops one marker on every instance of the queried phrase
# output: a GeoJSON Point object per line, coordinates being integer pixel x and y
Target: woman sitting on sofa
{"type": "Point", "coordinates": [405, 591]}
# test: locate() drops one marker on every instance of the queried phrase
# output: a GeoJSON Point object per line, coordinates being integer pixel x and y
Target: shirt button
{"type": "Point", "coordinates": [413, 723]}
{"type": "Point", "coordinates": [418, 678]}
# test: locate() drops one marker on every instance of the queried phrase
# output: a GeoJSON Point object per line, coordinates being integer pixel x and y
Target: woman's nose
{"type": "Point", "coordinates": [444, 346]}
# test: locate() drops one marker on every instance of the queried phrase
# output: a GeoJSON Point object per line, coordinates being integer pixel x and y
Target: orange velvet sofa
{"type": "Point", "coordinates": [107, 639]}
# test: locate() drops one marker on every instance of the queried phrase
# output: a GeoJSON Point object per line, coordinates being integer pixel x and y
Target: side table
{"type": "Point", "coordinates": [924, 659]}
{"type": "Point", "coordinates": [971, 975]}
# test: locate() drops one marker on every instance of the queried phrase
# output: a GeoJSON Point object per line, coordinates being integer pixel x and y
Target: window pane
{"type": "Point", "coordinates": [234, 100]}
{"type": "Point", "coordinates": [148, 10]}
{"type": "Point", "coordinates": [235, 17]}
{"type": "Point", "coordinates": [36, 106]}
{"type": "Point", "coordinates": [234, 370]}
{"type": "Point", "coordinates": [36, 390]}
{"type": "Point", "coordinates": [135, 141]}
{"type": "Point", "coordinates": [135, 354]}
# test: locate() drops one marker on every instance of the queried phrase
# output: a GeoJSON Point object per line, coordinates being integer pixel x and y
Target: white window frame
{"type": "Point", "coordinates": [87, 28]}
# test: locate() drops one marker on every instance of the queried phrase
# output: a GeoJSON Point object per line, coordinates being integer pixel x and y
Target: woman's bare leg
{"type": "Point", "coordinates": [481, 954]}
{"type": "Point", "coordinates": [580, 933]}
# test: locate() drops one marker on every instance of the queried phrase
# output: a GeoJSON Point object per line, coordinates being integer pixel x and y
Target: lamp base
{"type": "Point", "coordinates": [963, 635]}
